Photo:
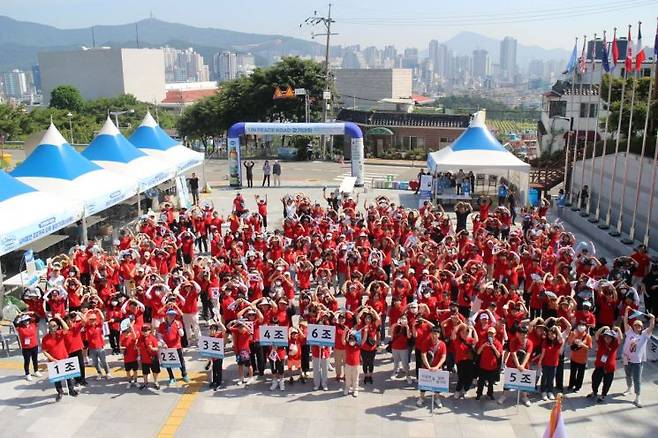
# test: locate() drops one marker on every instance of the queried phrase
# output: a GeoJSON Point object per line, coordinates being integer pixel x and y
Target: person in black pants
{"type": "Point", "coordinates": [216, 330]}
{"type": "Point", "coordinates": [193, 181]}
{"type": "Point", "coordinates": [74, 344]}
{"type": "Point", "coordinates": [54, 348]}
{"type": "Point", "coordinates": [488, 363]}
{"type": "Point", "coordinates": [607, 341]}
{"type": "Point", "coordinates": [464, 338]}
{"type": "Point", "coordinates": [249, 165]}
{"type": "Point", "coordinates": [26, 327]}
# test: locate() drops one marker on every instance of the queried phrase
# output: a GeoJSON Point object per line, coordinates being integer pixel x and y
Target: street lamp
{"type": "Point", "coordinates": [70, 116]}
{"type": "Point", "coordinates": [116, 115]}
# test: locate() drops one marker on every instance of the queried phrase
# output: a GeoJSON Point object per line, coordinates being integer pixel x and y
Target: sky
{"type": "Point", "coordinates": [403, 23]}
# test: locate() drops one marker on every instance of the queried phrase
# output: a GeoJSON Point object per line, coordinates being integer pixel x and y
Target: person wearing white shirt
{"type": "Point", "coordinates": [635, 352]}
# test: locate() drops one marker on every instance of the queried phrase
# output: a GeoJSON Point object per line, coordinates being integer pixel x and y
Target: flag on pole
{"type": "Point", "coordinates": [555, 427]}
{"type": "Point", "coordinates": [582, 65]}
{"type": "Point", "coordinates": [629, 53]}
{"type": "Point", "coordinates": [605, 62]}
{"type": "Point", "coordinates": [573, 59]}
{"type": "Point", "coordinates": [615, 50]}
{"type": "Point", "coordinates": [639, 56]}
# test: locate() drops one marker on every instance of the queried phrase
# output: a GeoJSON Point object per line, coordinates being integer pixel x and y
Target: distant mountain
{"type": "Point", "coordinates": [465, 42]}
{"type": "Point", "coordinates": [20, 41]}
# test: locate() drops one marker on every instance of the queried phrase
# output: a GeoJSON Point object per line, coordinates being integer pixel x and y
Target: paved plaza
{"type": "Point", "coordinates": [385, 409]}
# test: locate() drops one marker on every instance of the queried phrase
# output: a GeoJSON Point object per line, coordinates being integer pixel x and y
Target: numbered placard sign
{"type": "Point", "coordinates": [433, 381]}
{"type": "Point", "coordinates": [273, 335]}
{"type": "Point", "coordinates": [169, 358]}
{"type": "Point", "coordinates": [214, 292]}
{"type": "Point", "coordinates": [63, 369]}
{"type": "Point", "coordinates": [322, 335]}
{"type": "Point", "coordinates": [211, 347]}
{"type": "Point", "coordinates": [520, 380]}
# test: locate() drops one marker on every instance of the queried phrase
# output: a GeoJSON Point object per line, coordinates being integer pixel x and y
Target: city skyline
{"type": "Point", "coordinates": [418, 22]}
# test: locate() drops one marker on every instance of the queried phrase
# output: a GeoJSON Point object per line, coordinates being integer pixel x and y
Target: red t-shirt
{"type": "Point", "coordinates": [551, 353]}
{"type": "Point", "coordinates": [54, 345]}
{"type": "Point", "coordinates": [28, 335]}
{"type": "Point", "coordinates": [170, 334]}
{"type": "Point", "coordinates": [515, 345]}
{"type": "Point", "coordinates": [606, 355]}
{"type": "Point", "coordinates": [146, 345]}
{"type": "Point", "coordinates": [129, 342]}
{"type": "Point", "coordinates": [352, 355]}
{"type": "Point", "coordinates": [73, 337]}
{"type": "Point", "coordinates": [488, 359]}
{"type": "Point", "coordinates": [94, 334]}
{"type": "Point", "coordinates": [438, 351]}
{"type": "Point", "coordinates": [241, 339]}
{"type": "Point", "coordinates": [462, 348]}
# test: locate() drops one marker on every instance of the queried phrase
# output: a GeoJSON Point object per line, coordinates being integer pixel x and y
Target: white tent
{"type": "Point", "coordinates": [151, 139]}
{"type": "Point", "coordinates": [55, 167]}
{"type": "Point", "coordinates": [27, 214]}
{"type": "Point", "coordinates": [478, 150]}
{"type": "Point", "coordinates": [112, 151]}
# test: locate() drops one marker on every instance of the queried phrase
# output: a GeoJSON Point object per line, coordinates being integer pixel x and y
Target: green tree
{"type": "Point", "coordinates": [250, 99]}
{"type": "Point", "coordinates": [10, 121]}
{"type": "Point", "coordinates": [66, 97]}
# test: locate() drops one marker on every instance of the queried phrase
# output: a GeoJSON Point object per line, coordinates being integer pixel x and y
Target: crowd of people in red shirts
{"type": "Point", "coordinates": [470, 297]}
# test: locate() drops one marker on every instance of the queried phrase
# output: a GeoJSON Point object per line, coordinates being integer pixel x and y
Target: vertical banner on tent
{"type": "Point", "coordinates": [425, 186]}
{"type": "Point", "coordinates": [235, 179]}
{"type": "Point", "coordinates": [30, 264]}
{"type": "Point", "coordinates": [183, 193]}
{"type": "Point", "coordinates": [357, 161]}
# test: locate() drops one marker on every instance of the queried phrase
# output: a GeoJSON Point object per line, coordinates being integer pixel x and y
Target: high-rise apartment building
{"type": "Point", "coordinates": [15, 83]}
{"type": "Point", "coordinates": [481, 65]}
{"type": "Point", "coordinates": [184, 66]}
{"type": "Point", "coordinates": [508, 58]}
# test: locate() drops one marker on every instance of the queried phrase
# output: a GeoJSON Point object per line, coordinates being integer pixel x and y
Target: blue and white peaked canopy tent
{"type": "Point", "coordinates": [151, 139]}
{"type": "Point", "coordinates": [112, 151]}
{"type": "Point", "coordinates": [478, 150]}
{"type": "Point", "coordinates": [55, 167]}
{"type": "Point", "coordinates": [27, 214]}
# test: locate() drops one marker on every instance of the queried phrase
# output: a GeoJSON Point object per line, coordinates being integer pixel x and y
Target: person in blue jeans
{"type": "Point", "coordinates": [561, 202]}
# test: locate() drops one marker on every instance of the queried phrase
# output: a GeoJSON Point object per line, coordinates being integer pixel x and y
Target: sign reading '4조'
{"type": "Point", "coordinates": [273, 335]}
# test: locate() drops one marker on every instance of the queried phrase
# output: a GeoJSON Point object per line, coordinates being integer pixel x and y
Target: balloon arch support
{"type": "Point", "coordinates": [239, 129]}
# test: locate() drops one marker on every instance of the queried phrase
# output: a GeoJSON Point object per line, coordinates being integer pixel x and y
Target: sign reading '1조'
{"type": "Point", "coordinates": [63, 369]}
{"type": "Point", "coordinates": [273, 335]}
{"type": "Point", "coordinates": [322, 335]}
{"type": "Point", "coordinates": [520, 380]}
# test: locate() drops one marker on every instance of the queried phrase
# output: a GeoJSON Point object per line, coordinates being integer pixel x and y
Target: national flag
{"type": "Point", "coordinates": [582, 65]}
{"type": "Point", "coordinates": [629, 53]}
{"type": "Point", "coordinates": [573, 59]}
{"type": "Point", "coordinates": [555, 427]}
{"type": "Point", "coordinates": [605, 62]}
{"type": "Point", "coordinates": [639, 57]}
{"type": "Point", "coordinates": [635, 314]}
{"type": "Point", "coordinates": [615, 50]}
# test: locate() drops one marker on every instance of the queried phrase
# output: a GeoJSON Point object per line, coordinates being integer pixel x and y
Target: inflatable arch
{"type": "Point", "coordinates": [348, 129]}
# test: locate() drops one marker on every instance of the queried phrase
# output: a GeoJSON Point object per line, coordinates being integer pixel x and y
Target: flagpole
{"type": "Point", "coordinates": [570, 134]}
{"type": "Point", "coordinates": [631, 234]}
{"type": "Point", "coordinates": [654, 166]}
{"type": "Point", "coordinates": [597, 217]}
{"type": "Point", "coordinates": [575, 146]}
{"type": "Point", "coordinates": [614, 161]}
{"type": "Point", "coordinates": [585, 211]}
{"type": "Point", "coordinates": [628, 152]}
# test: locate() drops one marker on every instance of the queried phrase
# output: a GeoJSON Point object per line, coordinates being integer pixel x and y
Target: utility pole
{"type": "Point", "coordinates": [326, 96]}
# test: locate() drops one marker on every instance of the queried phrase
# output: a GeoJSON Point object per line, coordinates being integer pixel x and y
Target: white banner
{"type": "Point", "coordinates": [652, 349]}
{"type": "Point", "coordinates": [294, 128]}
{"type": "Point", "coordinates": [425, 190]}
{"type": "Point", "coordinates": [211, 347]}
{"type": "Point", "coordinates": [169, 358]}
{"type": "Point", "coordinates": [433, 381]}
{"type": "Point", "coordinates": [273, 335]}
{"type": "Point", "coordinates": [63, 369]}
{"type": "Point", "coordinates": [520, 380]}
{"type": "Point", "coordinates": [323, 335]}
{"type": "Point", "coordinates": [182, 192]}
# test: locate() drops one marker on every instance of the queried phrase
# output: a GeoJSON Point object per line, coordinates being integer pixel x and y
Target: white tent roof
{"type": "Point", "coordinates": [112, 151]}
{"type": "Point", "coordinates": [476, 149]}
{"type": "Point", "coordinates": [54, 166]}
{"type": "Point", "coordinates": [27, 214]}
{"type": "Point", "coordinates": [151, 139]}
